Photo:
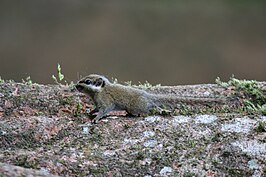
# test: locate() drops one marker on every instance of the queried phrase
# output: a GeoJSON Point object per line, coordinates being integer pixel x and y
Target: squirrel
{"type": "Point", "coordinates": [109, 97]}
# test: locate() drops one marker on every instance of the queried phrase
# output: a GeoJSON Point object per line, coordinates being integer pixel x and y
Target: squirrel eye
{"type": "Point", "coordinates": [88, 82]}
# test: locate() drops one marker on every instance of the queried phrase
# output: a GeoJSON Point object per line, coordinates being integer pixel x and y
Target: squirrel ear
{"type": "Point", "coordinates": [100, 82]}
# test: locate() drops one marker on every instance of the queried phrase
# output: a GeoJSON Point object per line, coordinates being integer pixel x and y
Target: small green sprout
{"type": "Point", "coordinates": [115, 81]}
{"type": "Point", "coordinates": [59, 74]}
{"type": "Point", "coordinates": [78, 109]}
{"type": "Point", "coordinates": [1, 80]}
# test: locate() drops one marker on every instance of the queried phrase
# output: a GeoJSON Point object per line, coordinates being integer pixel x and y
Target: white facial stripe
{"type": "Point", "coordinates": [94, 88]}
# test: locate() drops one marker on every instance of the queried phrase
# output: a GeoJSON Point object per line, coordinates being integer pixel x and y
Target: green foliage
{"type": "Point", "coordinates": [27, 162]}
{"type": "Point", "coordinates": [145, 85]}
{"type": "Point", "coordinates": [219, 82]}
{"type": "Point", "coordinates": [253, 98]}
{"type": "Point", "coordinates": [261, 127]}
{"type": "Point", "coordinates": [66, 100]}
{"type": "Point", "coordinates": [184, 110]}
{"type": "Point", "coordinates": [77, 111]}
{"type": "Point", "coordinates": [60, 76]}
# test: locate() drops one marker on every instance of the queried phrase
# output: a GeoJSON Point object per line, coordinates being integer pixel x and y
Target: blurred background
{"type": "Point", "coordinates": [169, 42]}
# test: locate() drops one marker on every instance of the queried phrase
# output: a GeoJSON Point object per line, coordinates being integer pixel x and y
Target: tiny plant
{"type": "Point", "coordinates": [147, 85]}
{"type": "Point", "coordinates": [1, 80]}
{"type": "Point", "coordinates": [28, 81]}
{"type": "Point", "coordinates": [128, 83]}
{"type": "Point", "coordinates": [78, 109]}
{"type": "Point", "coordinates": [59, 74]}
{"type": "Point", "coordinates": [115, 81]}
{"type": "Point", "coordinates": [261, 127]}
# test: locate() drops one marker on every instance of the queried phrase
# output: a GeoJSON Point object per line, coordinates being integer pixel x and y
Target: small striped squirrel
{"type": "Point", "coordinates": [109, 97]}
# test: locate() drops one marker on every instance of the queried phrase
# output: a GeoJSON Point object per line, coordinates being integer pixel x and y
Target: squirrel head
{"type": "Point", "coordinates": [92, 83]}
